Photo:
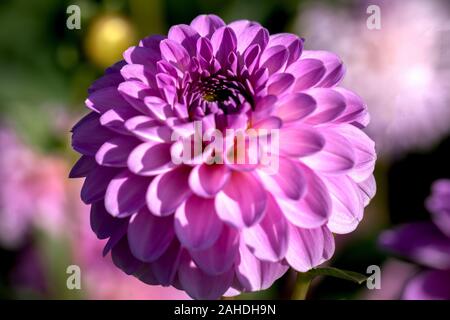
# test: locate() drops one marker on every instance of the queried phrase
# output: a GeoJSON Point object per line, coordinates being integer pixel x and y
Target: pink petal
{"type": "Point", "coordinates": [125, 194]}
{"type": "Point", "coordinates": [268, 239]}
{"type": "Point", "coordinates": [167, 191]}
{"type": "Point", "coordinates": [206, 180]}
{"type": "Point", "coordinates": [104, 99]}
{"type": "Point", "coordinates": [254, 274]}
{"type": "Point", "coordinates": [114, 152]}
{"type": "Point", "coordinates": [184, 35]}
{"type": "Point", "coordinates": [223, 42]}
{"type": "Point", "coordinates": [200, 285]}
{"type": "Point", "coordinates": [148, 129]}
{"type": "Point", "coordinates": [333, 65]}
{"type": "Point", "coordinates": [150, 158]}
{"type": "Point", "coordinates": [242, 201]}
{"type": "Point", "coordinates": [149, 236]}
{"type": "Point", "coordinates": [300, 141]}
{"type": "Point", "coordinates": [287, 182]}
{"type": "Point", "coordinates": [196, 223]}
{"type": "Point", "coordinates": [307, 73]}
{"type": "Point", "coordinates": [279, 83]}
{"type": "Point", "coordinates": [330, 105]}
{"type": "Point", "coordinates": [295, 106]}
{"type": "Point", "coordinates": [336, 157]}
{"type": "Point", "coordinates": [175, 53]}
{"type": "Point", "coordinates": [308, 247]}
{"type": "Point", "coordinates": [293, 44]}
{"type": "Point", "coordinates": [364, 149]}
{"type": "Point", "coordinates": [219, 257]}
{"type": "Point", "coordinates": [206, 24]}
{"type": "Point", "coordinates": [314, 208]}
{"type": "Point", "coordinates": [347, 204]}
{"type": "Point", "coordinates": [274, 58]}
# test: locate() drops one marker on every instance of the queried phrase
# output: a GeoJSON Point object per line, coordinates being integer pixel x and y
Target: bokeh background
{"type": "Point", "coordinates": [401, 70]}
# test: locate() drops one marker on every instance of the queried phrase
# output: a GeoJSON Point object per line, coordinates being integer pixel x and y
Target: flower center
{"type": "Point", "coordinates": [217, 94]}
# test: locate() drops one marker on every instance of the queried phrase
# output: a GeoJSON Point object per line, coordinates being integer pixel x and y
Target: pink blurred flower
{"type": "Point", "coordinates": [401, 70]}
{"type": "Point", "coordinates": [32, 191]}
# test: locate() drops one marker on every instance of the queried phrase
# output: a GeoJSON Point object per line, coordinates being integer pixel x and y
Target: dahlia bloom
{"type": "Point", "coordinates": [405, 85]}
{"type": "Point", "coordinates": [219, 227]}
{"type": "Point", "coordinates": [428, 244]}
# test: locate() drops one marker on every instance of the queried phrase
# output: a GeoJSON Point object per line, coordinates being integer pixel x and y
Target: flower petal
{"type": "Point", "coordinates": [196, 223]}
{"type": "Point", "coordinates": [200, 285]}
{"type": "Point", "coordinates": [308, 247]}
{"type": "Point", "coordinates": [150, 158]}
{"type": "Point", "coordinates": [206, 24]}
{"type": "Point", "coordinates": [268, 239]}
{"type": "Point", "coordinates": [114, 152]}
{"type": "Point", "coordinates": [149, 236]}
{"type": "Point", "coordinates": [242, 201]}
{"type": "Point", "coordinates": [207, 180]}
{"type": "Point", "coordinates": [314, 208]}
{"type": "Point", "coordinates": [167, 191]}
{"type": "Point", "coordinates": [219, 257]}
{"type": "Point", "coordinates": [125, 194]}
{"type": "Point", "coordinates": [254, 274]}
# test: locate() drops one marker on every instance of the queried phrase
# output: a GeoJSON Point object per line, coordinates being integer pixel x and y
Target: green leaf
{"type": "Point", "coordinates": [338, 273]}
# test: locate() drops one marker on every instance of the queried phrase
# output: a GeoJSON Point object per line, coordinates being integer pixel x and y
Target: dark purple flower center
{"type": "Point", "coordinates": [217, 94]}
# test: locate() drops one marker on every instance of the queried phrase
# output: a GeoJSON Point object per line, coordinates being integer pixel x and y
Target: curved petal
{"type": "Point", "coordinates": [206, 24]}
{"type": "Point", "coordinates": [219, 257]}
{"type": "Point", "coordinates": [346, 202]}
{"type": "Point", "coordinates": [82, 167]}
{"type": "Point", "coordinates": [125, 194]}
{"type": "Point", "coordinates": [314, 208]}
{"type": "Point", "coordinates": [149, 236]}
{"type": "Point", "coordinates": [254, 274]}
{"type": "Point", "coordinates": [150, 158]}
{"type": "Point", "coordinates": [242, 201]}
{"type": "Point", "coordinates": [207, 180]}
{"type": "Point", "coordinates": [300, 140]}
{"type": "Point", "coordinates": [88, 135]}
{"type": "Point", "coordinates": [200, 285]}
{"type": "Point", "coordinates": [336, 157]}
{"type": "Point", "coordinates": [165, 268]}
{"type": "Point", "coordinates": [296, 106]}
{"type": "Point", "coordinates": [333, 65]}
{"type": "Point", "coordinates": [167, 191]}
{"type": "Point", "coordinates": [96, 182]}
{"type": "Point", "coordinates": [196, 223]}
{"type": "Point", "coordinates": [102, 223]}
{"type": "Point", "coordinates": [293, 44]}
{"type": "Point", "coordinates": [114, 152]}
{"type": "Point", "coordinates": [308, 247]}
{"type": "Point", "coordinates": [268, 239]}
{"type": "Point", "coordinates": [148, 129]}
{"type": "Point", "coordinates": [287, 182]}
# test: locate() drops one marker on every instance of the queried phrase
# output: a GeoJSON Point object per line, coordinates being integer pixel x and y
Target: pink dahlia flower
{"type": "Point", "coordinates": [219, 227]}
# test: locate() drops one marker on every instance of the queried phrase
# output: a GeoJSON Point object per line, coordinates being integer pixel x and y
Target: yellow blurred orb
{"type": "Point", "coordinates": [109, 35]}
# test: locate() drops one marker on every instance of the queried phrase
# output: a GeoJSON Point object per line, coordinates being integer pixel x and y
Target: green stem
{"type": "Point", "coordinates": [302, 286]}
